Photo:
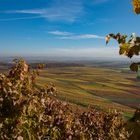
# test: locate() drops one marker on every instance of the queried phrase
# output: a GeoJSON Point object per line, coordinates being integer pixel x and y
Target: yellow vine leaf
{"type": "Point", "coordinates": [124, 48]}
{"type": "Point", "coordinates": [136, 4]}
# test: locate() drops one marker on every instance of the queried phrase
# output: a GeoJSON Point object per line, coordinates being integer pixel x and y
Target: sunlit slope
{"type": "Point", "coordinates": [99, 87]}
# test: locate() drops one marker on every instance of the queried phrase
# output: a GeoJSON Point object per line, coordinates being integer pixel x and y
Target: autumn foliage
{"type": "Point", "coordinates": [28, 113]}
{"type": "Point", "coordinates": [136, 4]}
{"type": "Point", "coordinates": [128, 46]}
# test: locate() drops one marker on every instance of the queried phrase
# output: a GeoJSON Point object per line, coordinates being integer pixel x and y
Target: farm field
{"type": "Point", "coordinates": [103, 88]}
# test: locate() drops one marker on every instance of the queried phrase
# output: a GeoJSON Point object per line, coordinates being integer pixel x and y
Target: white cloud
{"type": "Point", "coordinates": [71, 36]}
{"type": "Point", "coordinates": [82, 36]}
{"type": "Point", "coordinates": [59, 33]}
{"type": "Point", "coordinates": [29, 11]}
{"type": "Point", "coordinates": [20, 18]}
{"type": "Point", "coordinates": [58, 10]}
{"type": "Point", "coordinates": [61, 10]}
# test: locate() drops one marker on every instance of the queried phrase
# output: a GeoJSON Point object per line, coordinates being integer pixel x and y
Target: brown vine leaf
{"type": "Point", "coordinates": [134, 67]}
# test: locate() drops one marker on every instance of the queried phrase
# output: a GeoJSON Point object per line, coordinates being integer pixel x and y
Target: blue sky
{"type": "Point", "coordinates": [64, 28]}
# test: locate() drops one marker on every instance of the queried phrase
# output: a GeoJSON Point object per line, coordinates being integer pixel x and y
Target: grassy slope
{"type": "Point", "coordinates": [103, 88]}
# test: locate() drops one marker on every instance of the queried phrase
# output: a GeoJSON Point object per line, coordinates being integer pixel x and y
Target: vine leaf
{"type": "Point", "coordinates": [136, 4]}
{"type": "Point", "coordinates": [134, 67]}
{"type": "Point", "coordinates": [128, 48]}
{"type": "Point", "coordinates": [107, 39]}
{"type": "Point", "coordinates": [120, 38]}
{"type": "Point", "coordinates": [134, 50]}
{"type": "Point", "coordinates": [124, 48]}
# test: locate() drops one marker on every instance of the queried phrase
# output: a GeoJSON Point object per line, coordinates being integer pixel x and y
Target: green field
{"type": "Point", "coordinates": [106, 89]}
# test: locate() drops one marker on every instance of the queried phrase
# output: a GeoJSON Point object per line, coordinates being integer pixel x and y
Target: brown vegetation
{"type": "Point", "coordinates": [27, 113]}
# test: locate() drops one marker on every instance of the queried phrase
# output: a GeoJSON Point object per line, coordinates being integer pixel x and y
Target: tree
{"type": "Point", "coordinates": [129, 47]}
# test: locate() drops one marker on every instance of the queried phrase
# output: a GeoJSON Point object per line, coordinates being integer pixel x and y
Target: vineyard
{"type": "Point", "coordinates": [68, 96]}
{"type": "Point", "coordinates": [27, 112]}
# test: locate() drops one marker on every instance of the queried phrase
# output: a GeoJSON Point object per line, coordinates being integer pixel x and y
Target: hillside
{"type": "Point", "coordinates": [99, 87]}
{"type": "Point", "coordinates": [27, 112]}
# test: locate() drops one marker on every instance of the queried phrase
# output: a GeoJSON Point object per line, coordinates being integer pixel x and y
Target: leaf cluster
{"type": "Point", "coordinates": [129, 47]}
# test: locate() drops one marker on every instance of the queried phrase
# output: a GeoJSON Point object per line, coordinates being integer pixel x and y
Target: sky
{"type": "Point", "coordinates": [64, 28]}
